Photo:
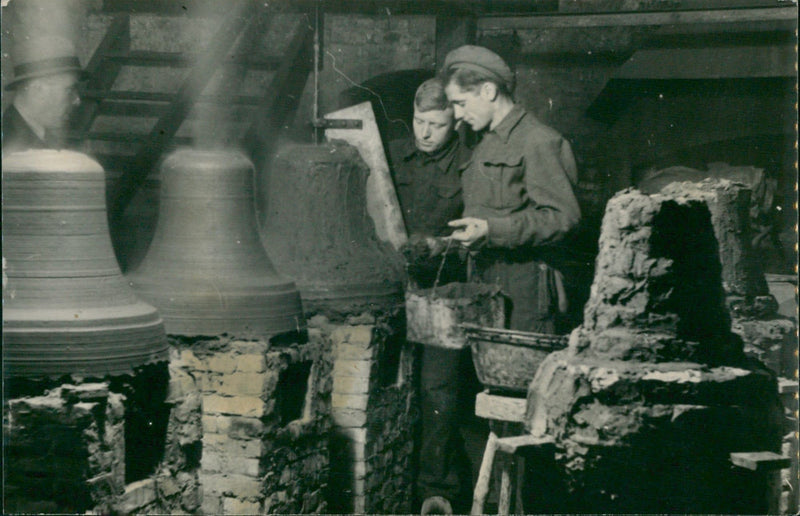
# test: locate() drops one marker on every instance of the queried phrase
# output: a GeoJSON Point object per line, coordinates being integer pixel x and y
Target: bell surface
{"type": "Point", "coordinates": [206, 270]}
{"type": "Point", "coordinates": [318, 232]}
{"type": "Point", "coordinates": [67, 309]}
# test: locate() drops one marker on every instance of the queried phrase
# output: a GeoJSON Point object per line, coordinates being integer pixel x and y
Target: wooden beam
{"type": "Point", "coordinates": [760, 461]}
{"type": "Point", "coordinates": [182, 59]}
{"type": "Point", "coordinates": [102, 73]}
{"type": "Point", "coordinates": [239, 14]}
{"type": "Point", "coordinates": [167, 7]}
{"type": "Point", "coordinates": [238, 108]}
{"type": "Point", "coordinates": [167, 98]}
{"type": "Point", "coordinates": [601, 6]}
{"type": "Point", "coordinates": [512, 445]}
{"type": "Point", "coordinates": [500, 408]}
{"type": "Point", "coordinates": [107, 136]}
{"type": "Point", "coordinates": [576, 21]}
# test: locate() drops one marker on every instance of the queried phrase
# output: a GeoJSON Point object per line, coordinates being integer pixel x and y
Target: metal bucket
{"type": "Point", "coordinates": [434, 316]}
{"type": "Point", "coordinates": [507, 360]}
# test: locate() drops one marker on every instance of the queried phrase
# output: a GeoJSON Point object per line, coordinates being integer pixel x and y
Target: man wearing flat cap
{"type": "Point", "coordinates": [519, 202]}
{"type": "Point", "coordinates": [46, 74]}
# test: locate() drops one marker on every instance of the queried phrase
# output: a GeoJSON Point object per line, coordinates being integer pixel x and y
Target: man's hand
{"type": "Point", "coordinates": [473, 231]}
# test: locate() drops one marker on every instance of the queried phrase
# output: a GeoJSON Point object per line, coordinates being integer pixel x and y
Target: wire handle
{"type": "Point", "coordinates": [441, 266]}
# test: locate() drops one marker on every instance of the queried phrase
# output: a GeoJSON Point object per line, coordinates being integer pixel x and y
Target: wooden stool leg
{"type": "Point", "coordinates": [485, 473]}
{"type": "Point", "coordinates": [504, 503]}
{"type": "Point", "coordinates": [518, 506]}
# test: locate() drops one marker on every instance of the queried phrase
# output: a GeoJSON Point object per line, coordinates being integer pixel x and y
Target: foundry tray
{"type": "Point", "coordinates": [507, 360]}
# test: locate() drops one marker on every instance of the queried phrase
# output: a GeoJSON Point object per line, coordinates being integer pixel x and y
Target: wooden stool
{"type": "Point", "coordinates": [505, 409]}
{"type": "Point", "coordinates": [766, 466]}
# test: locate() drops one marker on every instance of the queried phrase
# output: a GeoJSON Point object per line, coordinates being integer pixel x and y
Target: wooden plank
{"type": "Point", "coordinates": [512, 445]}
{"type": "Point", "coordinates": [484, 475]}
{"type": "Point", "coordinates": [237, 109]}
{"type": "Point", "coordinates": [155, 96]}
{"type": "Point", "coordinates": [787, 386]}
{"type": "Point", "coordinates": [382, 203]}
{"type": "Point", "coordinates": [196, 80]}
{"type": "Point", "coordinates": [107, 136]}
{"type": "Point", "coordinates": [504, 499]}
{"type": "Point", "coordinates": [276, 104]}
{"type": "Point", "coordinates": [102, 73]}
{"type": "Point", "coordinates": [182, 59]}
{"type": "Point", "coordinates": [500, 408]}
{"type": "Point", "coordinates": [601, 6]}
{"type": "Point", "coordinates": [575, 21]}
{"type": "Point", "coordinates": [760, 461]}
{"type": "Point", "coordinates": [166, 7]}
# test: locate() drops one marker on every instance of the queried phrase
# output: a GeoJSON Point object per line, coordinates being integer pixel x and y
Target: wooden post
{"type": "Point", "coordinates": [484, 475]}
{"type": "Point", "coordinates": [504, 502]}
{"type": "Point", "coordinates": [518, 505]}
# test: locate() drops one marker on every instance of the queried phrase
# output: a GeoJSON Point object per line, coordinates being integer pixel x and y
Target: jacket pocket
{"type": "Point", "coordinates": [506, 181]}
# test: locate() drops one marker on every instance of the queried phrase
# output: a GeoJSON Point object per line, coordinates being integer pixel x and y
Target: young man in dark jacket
{"type": "Point", "coordinates": [427, 178]}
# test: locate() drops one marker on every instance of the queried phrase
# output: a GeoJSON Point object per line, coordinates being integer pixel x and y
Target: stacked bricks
{"type": "Point", "coordinates": [174, 488]}
{"type": "Point", "coordinates": [64, 450]}
{"type": "Point", "coordinates": [654, 392]}
{"type": "Point", "coordinates": [374, 413]}
{"type": "Point", "coordinates": [252, 461]}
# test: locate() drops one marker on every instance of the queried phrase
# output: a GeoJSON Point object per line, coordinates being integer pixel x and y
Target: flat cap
{"type": "Point", "coordinates": [481, 59]}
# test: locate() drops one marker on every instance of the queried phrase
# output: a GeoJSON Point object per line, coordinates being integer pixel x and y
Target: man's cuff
{"type": "Point", "coordinates": [501, 232]}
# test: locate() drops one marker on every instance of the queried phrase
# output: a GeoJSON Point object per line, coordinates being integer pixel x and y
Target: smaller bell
{"type": "Point", "coordinates": [206, 270]}
{"type": "Point", "coordinates": [317, 231]}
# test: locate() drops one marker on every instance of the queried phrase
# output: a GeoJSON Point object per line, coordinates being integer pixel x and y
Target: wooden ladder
{"type": "Point", "coordinates": [267, 112]}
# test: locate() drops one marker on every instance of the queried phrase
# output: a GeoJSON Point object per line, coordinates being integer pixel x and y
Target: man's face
{"type": "Point", "coordinates": [57, 96]}
{"type": "Point", "coordinates": [432, 129]}
{"type": "Point", "coordinates": [473, 107]}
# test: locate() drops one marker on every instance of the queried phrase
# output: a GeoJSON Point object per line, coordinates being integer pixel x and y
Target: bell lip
{"type": "Point", "coordinates": [136, 311]}
{"type": "Point", "coordinates": [88, 368]}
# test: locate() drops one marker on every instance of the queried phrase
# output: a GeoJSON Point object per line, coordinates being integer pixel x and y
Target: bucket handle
{"type": "Point", "coordinates": [441, 266]}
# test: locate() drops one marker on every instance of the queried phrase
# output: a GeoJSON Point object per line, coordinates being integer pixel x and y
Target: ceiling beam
{"type": "Point", "coordinates": [547, 21]}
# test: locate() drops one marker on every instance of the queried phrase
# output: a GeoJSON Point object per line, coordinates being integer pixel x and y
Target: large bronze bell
{"type": "Point", "coordinates": [205, 269]}
{"type": "Point", "coordinates": [67, 309]}
{"type": "Point", "coordinates": [320, 233]}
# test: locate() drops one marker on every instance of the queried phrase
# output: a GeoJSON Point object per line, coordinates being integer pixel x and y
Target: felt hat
{"type": "Point", "coordinates": [481, 59]}
{"type": "Point", "coordinates": [41, 56]}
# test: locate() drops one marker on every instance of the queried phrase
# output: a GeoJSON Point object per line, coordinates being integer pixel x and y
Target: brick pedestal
{"type": "Point", "coordinates": [64, 451]}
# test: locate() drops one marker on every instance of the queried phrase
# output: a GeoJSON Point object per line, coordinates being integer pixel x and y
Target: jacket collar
{"type": "Point", "coordinates": [507, 124]}
{"type": "Point", "coordinates": [443, 157]}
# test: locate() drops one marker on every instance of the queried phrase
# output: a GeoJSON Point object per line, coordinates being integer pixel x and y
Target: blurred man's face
{"type": "Point", "coordinates": [473, 107]}
{"type": "Point", "coordinates": [432, 129]}
{"type": "Point", "coordinates": [57, 96]}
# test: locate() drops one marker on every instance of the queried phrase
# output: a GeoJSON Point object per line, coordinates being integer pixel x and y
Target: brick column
{"type": "Point", "coordinates": [65, 450]}
{"type": "Point", "coordinates": [374, 413]}
{"type": "Point", "coordinates": [254, 461]}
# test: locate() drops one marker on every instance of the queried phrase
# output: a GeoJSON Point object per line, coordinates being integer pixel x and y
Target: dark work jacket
{"type": "Point", "coordinates": [428, 185]}
{"type": "Point", "coordinates": [520, 179]}
{"type": "Point", "coordinates": [17, 134]}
